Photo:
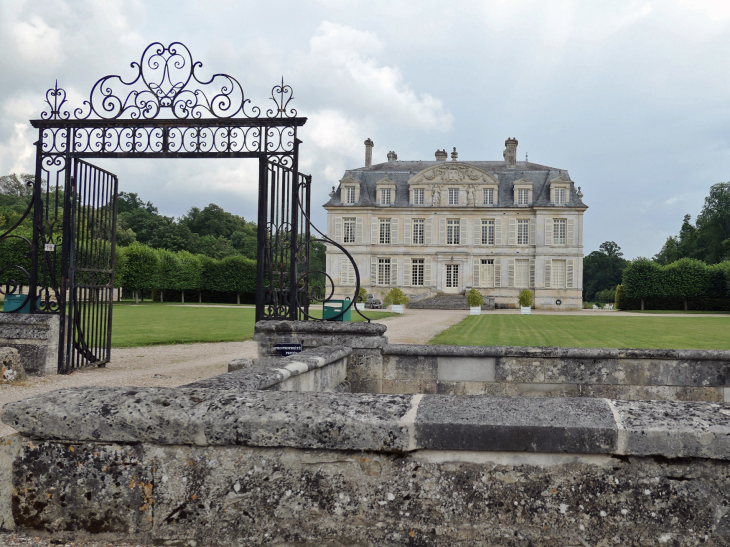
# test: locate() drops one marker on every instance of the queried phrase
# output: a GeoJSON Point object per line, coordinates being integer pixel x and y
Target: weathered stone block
{"type": "Point", "coordinates": [36, 339]}
{"type": "Point", "coordinates": [11, 369]}
{"type": "Point", "coordinates": [477, 388]}
{"type": "Point", "coordinates": [238, 364]}
{"type": "Point", "coordinates": [409, 386]}
{"type": "Point", "coordinates": [466, 369]}
{"type": "Point", "coordinates": [510, 369]}
{"type": "Point", "coordinates": [403, 367]}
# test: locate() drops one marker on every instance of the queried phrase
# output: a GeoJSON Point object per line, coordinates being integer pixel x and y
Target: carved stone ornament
{"type": "Point", "coordinates": [349, 180]}
{"type": "Point", "coordinates": [385, 181]}
{"type": "Point", "coordinates": [450, 174]}
{"type": "Point", "coordinates": [560, 180]}
{"type": "Point", "coordinates": [524, 182]}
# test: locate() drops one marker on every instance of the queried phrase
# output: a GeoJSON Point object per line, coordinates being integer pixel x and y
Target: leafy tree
{"type": "Point", "coordinates": [14, 185]}
{"type": "Point", "coordinates": [128, 202]}
{"type": "Point", "coordinates": [602, 269]}
{"type": "Point", "coordinates": [169, 270]}
{"type": "Point", "coordinates": [190, 273]}
{"type": "Point", "coordinates": [141, 270]}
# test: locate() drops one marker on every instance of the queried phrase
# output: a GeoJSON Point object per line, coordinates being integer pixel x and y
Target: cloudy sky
{"type": "Point", "coordinates": [631, 97]}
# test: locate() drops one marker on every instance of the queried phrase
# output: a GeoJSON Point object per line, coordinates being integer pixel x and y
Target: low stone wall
{"type": "Point", "coordinates": [36, 339]}
{"type": "Point", "coordinates": [220, 467]}
{"type": "Point", "coordinates": [628, 374]}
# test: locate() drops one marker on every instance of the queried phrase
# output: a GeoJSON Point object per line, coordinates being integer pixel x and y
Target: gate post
{"type": "Point", "coordinates": [294, 174]}
{"type": "Point", "coordinates": [261, 235]}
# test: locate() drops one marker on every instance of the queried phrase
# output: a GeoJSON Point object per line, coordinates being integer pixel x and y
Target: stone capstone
{"type": "Point", "coordinates": [11, 369]}
{"type": "Point", "coordinates": [238, 364]}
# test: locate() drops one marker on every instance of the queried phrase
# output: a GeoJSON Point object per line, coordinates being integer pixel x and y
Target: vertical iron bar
{"type": "Point", "coordinates": [294, 175]}
{"type": "Point", "coordinates": [261, 234]}
{"type": "Point", "coordinates": [37, 212]}
{"type": "Point", "coordinates": [112, 265]}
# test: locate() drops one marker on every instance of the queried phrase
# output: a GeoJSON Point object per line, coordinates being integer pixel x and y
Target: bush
{"type": "Point", "coordinates": [526, 298]}
{"type": "Point", "coordinates": [141, 271]}
{"type": "Point", "coordinates": [395, 296]}
{"type": "Point", "coordinates": [620, 297]}
{"type": "Point", "coordinates": [587, 305]}
{"type": "Point", "coordinates": [362, 295]}
{"type": "Point", "coordinates": [606, 295]}
{"type": "Point", "coordinates": [475, 299]}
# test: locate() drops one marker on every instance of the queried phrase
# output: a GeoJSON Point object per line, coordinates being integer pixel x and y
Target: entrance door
{"type": "Point", "coordinates": [452, 278]}
{"type": "Point", "coordinates": [90, 227]}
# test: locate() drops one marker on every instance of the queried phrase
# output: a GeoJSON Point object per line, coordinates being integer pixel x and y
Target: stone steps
{"type": "Point", "coordinates": [441, 302]}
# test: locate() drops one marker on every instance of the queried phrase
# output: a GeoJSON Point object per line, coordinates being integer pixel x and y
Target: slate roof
{"type": "Point", "coordinates": [400, 172]}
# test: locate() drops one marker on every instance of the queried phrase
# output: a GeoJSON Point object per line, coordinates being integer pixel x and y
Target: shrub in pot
{"type": "Point", "coordinates": [397, 299]}
{"type": "Point", "coordinates": [362, 296]}
{"type": "Point", "coordinates": [526, 299]}
{"type": "Point", "coordinates": [475, 300]}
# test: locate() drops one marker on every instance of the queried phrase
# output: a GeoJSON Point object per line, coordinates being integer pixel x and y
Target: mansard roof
{"type": "Point", "coordinates": [400, 172]}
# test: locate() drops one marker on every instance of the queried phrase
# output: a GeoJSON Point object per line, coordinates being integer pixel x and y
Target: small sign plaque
{"type": "Point", "coordinates": [288, 349]}
{"type": "Point", "coordinates": [49, 247]}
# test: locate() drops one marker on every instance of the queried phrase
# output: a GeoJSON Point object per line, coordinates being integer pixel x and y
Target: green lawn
{"type": "Point", "coordinates": [688, 312]}
{"type": "Point", "coordinates": [589, 332]}
{"type": "Point", "coordinates": [153, 324]}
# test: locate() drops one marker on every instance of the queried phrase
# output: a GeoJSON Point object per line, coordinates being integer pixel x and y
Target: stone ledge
{"type": "Point", "coordinates": [384, 423]}
{"type": "Point", "coordinates": [263, 377]}
{"type": "Point", "coordinates": [554, 352]}
{"type": "Point", "coordinates": [321, 327]}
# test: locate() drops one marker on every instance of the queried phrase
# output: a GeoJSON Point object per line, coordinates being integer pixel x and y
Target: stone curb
{"type": "Point", "coordinates": [383, 423]}
{"type": "Point", "coordinates": [321, 327]}
{"type": "Point", "coordinates": [554, 352]}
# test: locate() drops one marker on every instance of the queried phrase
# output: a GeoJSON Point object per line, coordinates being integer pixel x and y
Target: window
{"type": "Point", "coordinates": [385, 196]}
{"type": "Point", "coordinates": [349, 232]}
{"type": "Point", "coordinates": [418, 196]}
{"type": "Point", "coordinates": [384, 271]}
{"type": "Point", "coordinates": [559, 229]}
{"type": "Point", "coordinates": [557, 274]}
{"type": "Point", "coordinates": [522, 273]}
{"type": "Point", "coordinates": [385, 231]}
{"type": "Point", "coordinates": [486, 272]}
{"type": "Point", "coordinates": [417, 272]}
{"type": "Point", "coordinates": [489, 196]}
{"type": "Point", "coordinates": [350, 194]}
{"type": "Point", "coordinates": [560, 196]}
{"type": "Point", "coordinates": [452, 276]}
{"type": "Point", "coordinates": [453, 196]}
{"type": "Point", "coordinates": [418, 231]}
{"type": "Point", "coordinates": [523, 197]}
{"type": "Point", "coordinates": [452, 232]}
{"type": "Point", "coordinates": [523, 232]}
{"type": "Point", "coordinates": [487, 232]}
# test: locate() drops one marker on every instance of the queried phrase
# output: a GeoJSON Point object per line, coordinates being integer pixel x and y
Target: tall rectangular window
{"type": "Point", "coordinates": [488, 232]}
{"type": "Point", "coordinates": [452, 231]}
{"type": "Point", "coordinates": [385, 196]}
{"type": "Point", "coordinates": [523, 197]}
{"type": "Point", "coordinates": [418, 231]}
{"type": "Point", "coordinates": [557, 274]}
{"type": "Point", "coordinates": [486, 272]}
{"type": "Point", "coordinates": [417, 272]}
{"type": "Point", "coordinates": [453, 196]}
{"type": "Point", "coordinates": [489, 196]}
{"type": "Point", "coordinates": [522, 274]}
{"type": "Point", "coordinates": [559, 229]}
{"type": "Point", "coordinates": [418, 196]}
{"type": "Point", "coordinates": [452, 276]}
{"type": "Point", "coordinates": [349, 230]}
{"type": "Point", "coordinates": [385, 231]}
{"type": "Point", "coordinates": [523, 232]}
{"type": "Point", "coordinates": [350, 194]}
{"type": "Point", "coordinates": [560, 196]}
{"type": "Point", "coordinates": [384, 271]}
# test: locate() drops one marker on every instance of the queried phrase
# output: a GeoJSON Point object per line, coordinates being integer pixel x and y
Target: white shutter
{"type": "Point", "coordinates": [407, 266]}
{"type": "Point", "coordinates": [394, 231]}
{"type": "Point", "coordinates": [338, 230]}
{"type": "Point", "coordinates": [394, 272]}
{"type": "Point", "coordinates": [343, 270]}
{"type": "Point", "coordinates": [548, 272]}
{"type": "Point", "coordinates": [463, 236]}
{"type": "Point", "coordinates": [498, 231]}
{"type": "Point", "coordinates": [548, 231]}
{"type": "Point", "coordinates": [442, 231]}
{"type": "Point", "coordinates": [478, 231]}
{"type": "Point", "coordinates": [532, 273]}
{"type": "Point", "coordinates": [357, 194]}
{"type": "Point", "coordinates": [512, 237]}
{"type": "Point", "coordinates": [427, 229]}
{"type": "Point", "coordinates": [407, 232]}
{"type": "Point", "coordinates": [375, 240]}
{"type": "Point", "coordinates": [477, 280]}
{"type": "Point", "coordinates": [532, 231]}
{"type": "Point", "coordinates": [569, 273]}
{"type": "Point", "coordinates": [358, 231]}
{"type": "Point", "coordinates": [377, 195]}
{"type": "Point", "coordinates": [570, 236]}
{"type": "Point", "coordinates": [373, 271]}
{"type": "Point", "coordinates": [497, 273]}
{"type": "Point", "coordinates": [511, 272]}
{"type": "Point", "coordinates": [427, 272]}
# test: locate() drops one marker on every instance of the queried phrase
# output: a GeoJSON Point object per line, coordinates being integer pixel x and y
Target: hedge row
{"type": "Point", "coordinates": [686, 283]}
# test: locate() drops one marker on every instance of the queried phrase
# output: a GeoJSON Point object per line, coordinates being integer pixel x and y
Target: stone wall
{"type": "Point", "coordinates": [36, 339]}
{"type": "Point", "coordinates": [220, 467]}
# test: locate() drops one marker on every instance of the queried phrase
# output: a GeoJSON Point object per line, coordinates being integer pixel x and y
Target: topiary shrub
{"type": "Point", "coordinates": [526, 298]}
{"type": "Point", "coordinates": [395, 296]}
{"type": "Point", "coordinates": [620, 297]}
{"type": "Point", "coordinates": [475, 299]}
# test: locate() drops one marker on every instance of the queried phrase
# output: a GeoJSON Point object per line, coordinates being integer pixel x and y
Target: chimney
{"type": "Point", "coordinates": [510, 153]}
{"type": "Point", "coordinates": [441, 155]}
{"type": "Point", "coordinates": [392, 156]}
{"type": "Point", "coordinates": [454, 154]}
{"type": "Point", "coordinates": [368, 154]}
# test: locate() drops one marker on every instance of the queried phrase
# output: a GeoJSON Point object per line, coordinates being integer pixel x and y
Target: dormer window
{"type": "Point", "coordinates": [418, 195]}
{"type": "Point", "coordinates": [523, 192]}
{"type": "Point", "coordinates": [560, 196]}
{"type": "Point", "coordinates": [523, 197]}
{"type": "Point", "coordinates": [453, 196]}
{"type": "Point", "coordinates": [350, 195]}
{"type": "Point", "coordinates": [488, 196]}
{"type": "Point", "coordinates": [559, 191]}
{"type": "Point", "coordinates": [385, 196]}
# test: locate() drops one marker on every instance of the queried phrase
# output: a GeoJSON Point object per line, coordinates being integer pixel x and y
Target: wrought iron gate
{"type": "Point", "coordinates": [89, 248]}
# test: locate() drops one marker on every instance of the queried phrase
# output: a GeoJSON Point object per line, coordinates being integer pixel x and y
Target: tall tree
{"type": "Point", "coordinates": [602, 269]}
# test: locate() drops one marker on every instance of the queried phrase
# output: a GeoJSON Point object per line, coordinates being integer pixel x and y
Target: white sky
{"type": "Point", "coordinates": [632, 97]}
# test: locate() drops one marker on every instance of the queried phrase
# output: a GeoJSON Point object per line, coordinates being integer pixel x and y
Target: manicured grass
{"type": "Point", "coordinates": [155, 324]}
{"type": "Point", "coordinates": [688, 312]}
{"type": "Point", "coordinates": [589, 332]}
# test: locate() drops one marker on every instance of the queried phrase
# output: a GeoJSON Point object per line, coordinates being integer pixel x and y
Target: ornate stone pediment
{"type": "Point", "coordinates": [560, 180]}
{"type": "Point", "coordinates": [453, 173]}
{"type": "Point", "coordinates": [349, 180]}
{"type": "Point", "coordinates": [385, 180]}
{"type": "Point", "coordinates": [524, 182]}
